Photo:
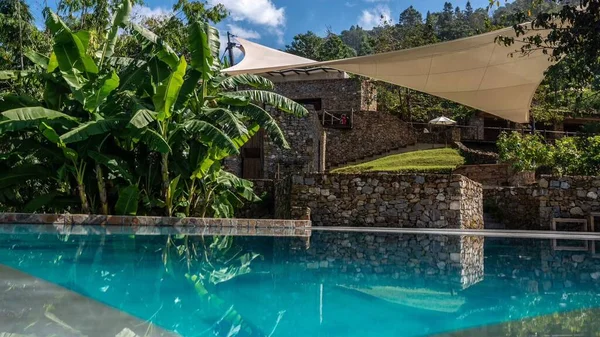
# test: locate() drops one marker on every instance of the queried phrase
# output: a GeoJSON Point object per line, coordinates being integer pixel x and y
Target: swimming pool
{"type": "Point", "coordinates": [331, 284]}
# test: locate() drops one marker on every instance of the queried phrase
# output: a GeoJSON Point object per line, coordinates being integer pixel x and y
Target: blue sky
{"type": "Point", "coordinates": [275, 22]}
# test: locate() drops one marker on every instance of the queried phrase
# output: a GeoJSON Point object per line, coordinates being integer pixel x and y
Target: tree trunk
{"type": "Point", "coordinates": [102, 190]}
{"type": "Point", "coordinates": [85, 206]}
{"type": "Point", "coordinates": [164, 168]}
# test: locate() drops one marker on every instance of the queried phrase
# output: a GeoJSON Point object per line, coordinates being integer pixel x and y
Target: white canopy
{"type": "Point", "coordinates": [474, 71]}
{"type": "Point", "coordinates": [442, 121]}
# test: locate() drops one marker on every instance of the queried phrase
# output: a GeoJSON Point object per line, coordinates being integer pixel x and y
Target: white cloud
{"type": "Point", "coordinates": [377, 0]}
{"type": "Point", "coordinates": [370, 18]}
{"type": "Point", "coordinates": [260, 12]}
{"type": "Point", "coordinates": [350, 4]}
{"type": "Point", "coordinates": [243, 32]}
{"type": "Point", "coordinates": [139, 12]}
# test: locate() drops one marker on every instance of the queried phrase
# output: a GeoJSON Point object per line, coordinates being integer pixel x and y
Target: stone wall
{"type": "Point", "coordinates": [534, 206]}
{"type": "Point", "coordinates": [515, 207]}
{"type": "Point", "coordinates": [304, 134]}
{"type": "Point", "coordinates": [372, 133]}
{"type": "Point", "coordinates": [486, 174]}
{"type": "Point", "coordinates": [373, 258]}
{"type": "Point", "coordinates": [389, 200]}
{"type": "Point", "coordinates": [343, 94]}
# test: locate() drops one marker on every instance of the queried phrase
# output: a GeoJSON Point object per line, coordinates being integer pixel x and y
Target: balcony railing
{"type": "Point", "coordinates": [337, 119]}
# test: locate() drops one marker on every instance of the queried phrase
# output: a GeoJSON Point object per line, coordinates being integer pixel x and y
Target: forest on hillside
{"type": "Point", "coordinates": [411, 28]}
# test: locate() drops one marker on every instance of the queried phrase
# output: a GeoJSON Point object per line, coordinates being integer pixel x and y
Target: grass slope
{"type": "Point", "coordinates": [431, 161]}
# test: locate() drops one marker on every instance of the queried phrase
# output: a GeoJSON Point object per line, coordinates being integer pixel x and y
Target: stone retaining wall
{"type": "Point", "coordinates": [389, 200]}
{"type": "Point", "coordinates": [534, 207]}
{"type": "Point", "coordinates": [372, 133]}
{"type": "Point", "coordinates": [371, 258]}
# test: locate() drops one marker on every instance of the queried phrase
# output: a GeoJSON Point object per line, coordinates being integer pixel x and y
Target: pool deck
{"type": "Point", "coordinates": [32, 307]}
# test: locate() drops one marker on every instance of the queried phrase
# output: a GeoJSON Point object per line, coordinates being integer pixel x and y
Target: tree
{"type": "Point", "coordinates": [18, 35]}
{"type": "Point", "coordinates": [410, 17]}
{"type": "Point", "coordinates": [306, 45]}
{"type": "Point", "coordinates": [573, 42]}
{"type": "Point", "coordinates": [334, 48]}
{"type": "Point", "coordinates": [355, 37]}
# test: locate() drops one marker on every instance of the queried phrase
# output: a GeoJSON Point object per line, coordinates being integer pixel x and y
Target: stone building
{"type": "Point", "coordinates": [342, 126]}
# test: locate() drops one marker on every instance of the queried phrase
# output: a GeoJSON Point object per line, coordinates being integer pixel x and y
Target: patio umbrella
{"type": "Point", "coordinates": [442, 121]}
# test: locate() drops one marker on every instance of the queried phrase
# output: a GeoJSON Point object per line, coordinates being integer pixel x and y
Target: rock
{"type": "Point", "coordinates": [324, 192]}
{"type": "Point", "coordinates": [367, 190]}
{"type": "Point", "coordinates": [543, 183]}
{"type": "Point", "coordinates": [309, 181]}
{"type": "Point", "coordinates": [578, 258]}
{"type": "Point", "coordinates": [564, 185]}
{"type": "Point", "coordinates": [441, 265]}
{"type": "Point", "coordinates": [419, 179]}
{"type": "Point", "coordinates": [455, 205]}
{"type": "Point", "coordinates": [595, 275]}
{"type": "Point", "coordinates": [440, 197]}
{"type": "Point", "coordinates": [547, 285]}
{"type": "Point", "coordinates": [555, 183]}
{"type": "Point", "coordinates": [455, 257]}
{"type": "Point", "coordinates": [576, 211]}
{"type": "Point", "coordinates": [568, 284]}
{"type": "Point", "coordinates": [323, 264]}
{"type": "Point", "coordinates": [592, 195]}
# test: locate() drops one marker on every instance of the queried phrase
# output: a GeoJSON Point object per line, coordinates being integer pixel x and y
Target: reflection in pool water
{"type": "Point", "coordinates": [336, 284]}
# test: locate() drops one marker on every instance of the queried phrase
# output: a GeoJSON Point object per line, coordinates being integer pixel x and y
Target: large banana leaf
{"type": "Point", "coordinates": [246, 80]}
{"type": "Point", "coordinates": [128, 201]}
{"type": "Point", "coordinates": [204, 47]}
{"type": "Point", "coordinates": [92, 128]}
{"type": "Point", "coordinates": [162, 50]}
{"type": "Point", "coordinates": [168, 91]}
{"type": "Point", "coordinates": [115, 165]}
{"type": "Point", "coordinates": [142, 118]}
{"type": "Point", "coordinates": [265, 120]}
{"type": "Point", "coordinates": [39, 202]}
{"type": "Point", "coordinates": [106, 85]}
{"type": "Point", "coordinates": [34, 113]}
{"type": "Point", "coordinates": [187, 89]}
{"type": "Point", "coordinates": [270, 98]}
{"type": "Point", "coordinates": [17, 175]}
{"type": "Point", "coordinates": [69, 49]}
{"type": "Point", "coordinates": [154, 141]}
{"type": "Point", "coordinates": [231, 124]}
{"type": "Point", "coordinates": [120, 19]}
{"type": "Point", "coordinates": [37, 58]}
{"type": "Point", "coordinates": [12, 101]}
{"type": "Point", "coordinates": [209, 134]}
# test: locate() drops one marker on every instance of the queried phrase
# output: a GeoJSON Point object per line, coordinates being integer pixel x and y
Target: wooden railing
{"type": "Point", "coordinates": [337, 119]}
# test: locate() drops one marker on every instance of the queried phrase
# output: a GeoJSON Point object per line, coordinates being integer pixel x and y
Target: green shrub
{"type": "Point", "coordinates": [524, 152]}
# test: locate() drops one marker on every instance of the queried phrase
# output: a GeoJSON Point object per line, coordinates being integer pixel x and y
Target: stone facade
{"type": "Point", "coordinates": [487, 175]}
{"type": "Point", "coordinates": [372, 133]}
{"type": "Point", "coordinates": [389, 200]}
{"type": "Point", "coordinates": [304, 134]}
{"type": "Point", "coordinates": [372, 258]}
{"type": "Point", "coordinates": [342, 94]}
{"type": "Point", "coordinates": [534, 206]}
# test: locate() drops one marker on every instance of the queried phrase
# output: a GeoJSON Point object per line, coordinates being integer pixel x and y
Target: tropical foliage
{"type": "Point", "coordinates": [140, 134]}
{"type": "Point", "coordinates": [566, 156]}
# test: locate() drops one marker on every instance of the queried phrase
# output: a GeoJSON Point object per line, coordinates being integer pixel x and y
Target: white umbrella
{"type": "Point", "coordinates": [442, 121]}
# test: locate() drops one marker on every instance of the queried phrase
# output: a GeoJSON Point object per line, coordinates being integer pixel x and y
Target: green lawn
{"type": "Point", "coordinates": [431, 161]}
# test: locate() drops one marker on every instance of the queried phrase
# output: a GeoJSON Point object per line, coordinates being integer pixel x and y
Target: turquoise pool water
{"type": "Point", "coordinates": [335, 284]}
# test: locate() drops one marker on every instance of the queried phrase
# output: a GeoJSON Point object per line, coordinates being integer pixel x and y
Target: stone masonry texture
{"type": "Point", "coordinates": [389, 200]}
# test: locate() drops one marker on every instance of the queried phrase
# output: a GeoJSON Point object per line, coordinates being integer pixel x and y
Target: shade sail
{"type": "Point", "coordinates": [474, 71]}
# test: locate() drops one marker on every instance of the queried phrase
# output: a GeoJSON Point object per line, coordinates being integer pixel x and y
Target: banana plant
{"type": "Point", "coordinates": [149, 130]}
